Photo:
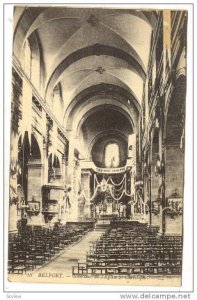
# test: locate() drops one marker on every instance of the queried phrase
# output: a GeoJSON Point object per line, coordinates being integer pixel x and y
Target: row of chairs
{"type": "Point", "coordinates": [127, 249]}
{"type": "Point", "coordinates": [33, 246]}
{"type": "Point", "coordinates": [84, 269]}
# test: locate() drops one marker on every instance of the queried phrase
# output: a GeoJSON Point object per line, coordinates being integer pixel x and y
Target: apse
{"type": "Point", "coordinates": [110, 151]}
{"type": "Point", "coordinates": [103, 127]}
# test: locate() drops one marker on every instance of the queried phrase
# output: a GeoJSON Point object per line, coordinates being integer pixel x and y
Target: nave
{"type": "Point", "coordinates": [97, 142]}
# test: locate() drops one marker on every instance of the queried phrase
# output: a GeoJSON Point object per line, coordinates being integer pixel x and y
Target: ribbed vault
{"type": "Point", "coordinates": [97, 58]}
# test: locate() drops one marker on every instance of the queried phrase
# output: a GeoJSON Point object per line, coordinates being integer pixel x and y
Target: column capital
{"type": "Point", "coordinates": [86, 172]}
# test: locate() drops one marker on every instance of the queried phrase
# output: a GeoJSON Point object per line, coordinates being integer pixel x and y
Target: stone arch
{"type": "Point", "coordinates": [102, 91]}
{"type": "Point", "coordinates": [35, 137]}
{"type": "Point", "coordinates": [29, 173]}
{"type": "Point", "coordinates": [84, 114]}
{"type": "Point", "coordinates": [38, 67]}
{"type": "Point", "coordinates": [98, 149]}
{"type": "Point", "coordinates": [56, 104]}
{"type": "Point", "coordinates": [105, 133]}
{"type": "Point", "coordinates": [35, 153]}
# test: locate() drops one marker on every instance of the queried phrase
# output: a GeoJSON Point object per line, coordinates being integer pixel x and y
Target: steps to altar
{"type": "Point", "coordinates": [104, 221]}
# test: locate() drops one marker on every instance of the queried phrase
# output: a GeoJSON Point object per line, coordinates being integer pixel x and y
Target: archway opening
{"type": "Point", "coordinates": [54, 169]}
{"type": "Point", "coordinates": [35, 150]}
{"type": "Point", "coordinates": [29, 168]}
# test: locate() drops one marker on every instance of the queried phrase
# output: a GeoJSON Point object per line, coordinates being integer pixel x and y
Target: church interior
{"type": "Point", "coordinates": [97, 141]}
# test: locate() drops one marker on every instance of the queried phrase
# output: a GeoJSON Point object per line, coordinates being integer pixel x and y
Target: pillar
{"type": "Point", "coordinates": [70, 166]}
{"type": "Point", "coordinates": [44, 156]}
{"type": "Point", "coordinates": [85, 182]}
{"type": "Point", "coordinates": [63, 169]}
{"type": "Point", "coordinates": [34, 192]}
{"type": "Point", "coordinates": [14, 213]}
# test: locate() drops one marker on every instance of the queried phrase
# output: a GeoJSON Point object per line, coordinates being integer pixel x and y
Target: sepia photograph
{"type": "Point", "coordinates": [97, 145]}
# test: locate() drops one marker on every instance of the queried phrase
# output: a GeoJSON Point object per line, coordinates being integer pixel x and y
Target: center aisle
{"type": "Point", "coordinates": [71, 256]}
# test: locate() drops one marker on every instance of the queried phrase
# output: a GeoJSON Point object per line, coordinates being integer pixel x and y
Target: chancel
{"type": "Point", "coordinates": [97, 142]}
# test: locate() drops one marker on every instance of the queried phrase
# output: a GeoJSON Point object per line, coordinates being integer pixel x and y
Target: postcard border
{"type": "Point", "coordinates": [192, 181]}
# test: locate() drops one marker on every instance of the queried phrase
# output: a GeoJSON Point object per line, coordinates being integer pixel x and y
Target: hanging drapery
{"type": "Point", "coordinates": [104, 185]}
{"type": "Point", "coordinates": [83, 194]}
{"type": "Point", "coordinates": [116, 184]}
{"type": "Point", "coordinates": [120, 189]}
{"type": "Point", "coordinates": [120, 197]}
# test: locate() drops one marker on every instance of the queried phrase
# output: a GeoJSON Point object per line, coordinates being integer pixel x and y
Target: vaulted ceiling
{"type": "Point", "coordinates": [97, 56]}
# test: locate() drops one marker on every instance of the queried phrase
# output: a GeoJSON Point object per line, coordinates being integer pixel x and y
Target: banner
{"type": "Point", "coordinates": [110, 170]}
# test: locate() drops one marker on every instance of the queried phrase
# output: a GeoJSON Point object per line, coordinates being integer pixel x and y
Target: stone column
{"type": "Point", "coordinates": [26, 122]}
{"type": "Point", "coordinates": [85, 182]}
{"type": "Point", "coordinates": [70, 167]}
{"type": "Point", "coordinates": [74, 191]}
{"type": "Point", "coordinates": [63, 169]}
{"type": "Point", "coordinates": [45, 158]}
{"type": "Point", "coordinates": [14, 213]}
{"type": "Point", "coordinates": [34, 191]}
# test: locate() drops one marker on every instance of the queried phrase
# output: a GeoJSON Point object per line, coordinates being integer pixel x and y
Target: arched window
{"type": "Point", "coordinates": [57, 102]}
{"type": "Point", "coordinates": [27, 59]}
{"type": "Point", "coordinates": [112, 155]}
